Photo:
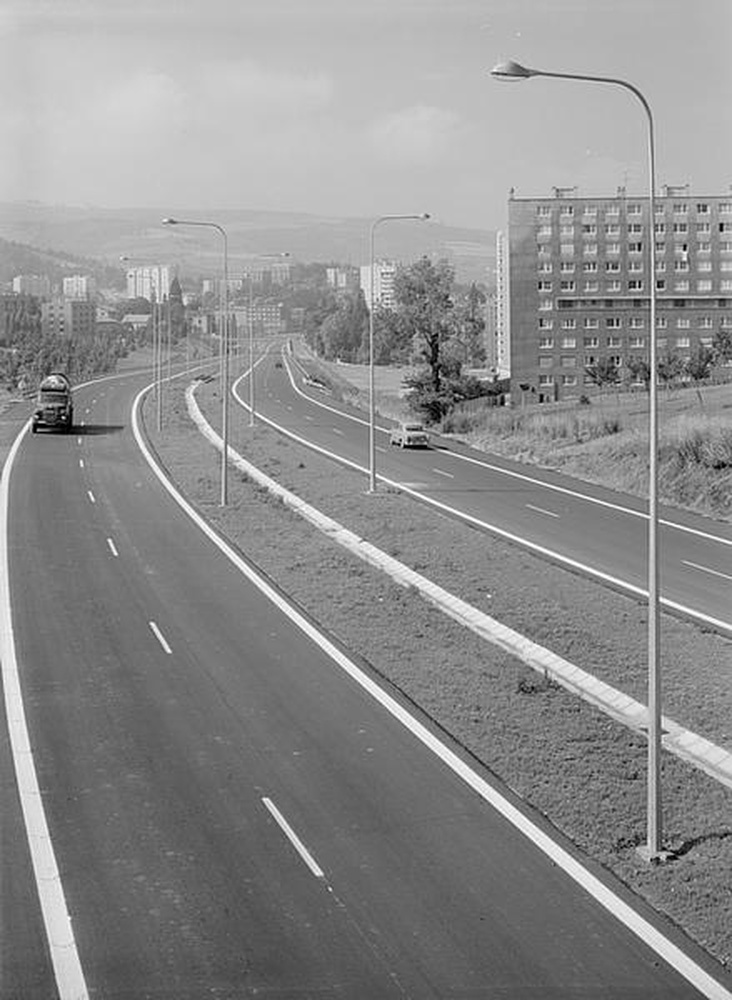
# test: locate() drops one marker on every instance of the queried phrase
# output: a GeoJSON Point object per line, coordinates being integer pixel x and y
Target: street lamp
{"type": "Point", "coordinates": [250, 312]}
{"type": "Point", "coordinates": [223, 346]}
{"type": "Point", "coordinates": [372, 395]}
{"type": "Point", "coordinates": [157, 345]}
{"type": "Point", "coordinates": [652, 850]}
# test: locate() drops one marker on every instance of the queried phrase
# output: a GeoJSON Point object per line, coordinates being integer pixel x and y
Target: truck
{"type": "Point", "coordinates": [54, 404]}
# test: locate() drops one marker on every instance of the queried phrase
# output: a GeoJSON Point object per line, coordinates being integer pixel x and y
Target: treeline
{"type": "Point", "coordinates": [436, 325]}
{"type": "Point", "coordinates": [29, 354]}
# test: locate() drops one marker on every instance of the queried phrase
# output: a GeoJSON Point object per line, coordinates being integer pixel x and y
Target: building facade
{"type": "Point", "coordinates": [150, 282]}
{"type": "Point", "coordinates": [69, 317]}
{"type": "Point", "coordinates": [32, 284]}
{"type": "Point", "coordinates": [579, 283]}
{"type": "Point", "coordinates": [79, 286]}
{"type": "Point", "coordinates": [383, 283]}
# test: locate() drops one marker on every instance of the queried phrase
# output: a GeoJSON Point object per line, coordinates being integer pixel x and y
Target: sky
{"type": "Point", "coordinates": [357, 108]}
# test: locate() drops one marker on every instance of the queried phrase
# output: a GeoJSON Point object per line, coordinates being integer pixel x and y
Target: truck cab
{"type": "Point", "coordinates": [54, 404]}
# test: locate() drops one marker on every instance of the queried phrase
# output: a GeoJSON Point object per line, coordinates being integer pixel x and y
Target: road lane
{"type": "Point", "coordinates": [599, 531]}
{"type": "Point", "coordinates": [155, 768]}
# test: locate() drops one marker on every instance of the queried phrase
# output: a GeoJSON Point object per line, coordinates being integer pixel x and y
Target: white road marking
{"type": "Point", "coordinates": [91, 496]}
{"type": "Point", "coordinates": [447, 475]}
{"type": "Point", "coordinates": [382, 450]}
{"type": "Point", "coordinates": [161, 638]}
{"type": "Point", "coordinates": [337, 431]}
{"type": "Point", "coordinates": [113, 548]}
{"type": "Point", "coordinates": [70, 982]}
{"type": "Point", "coordinates": [294, 839]}
{"type": "Point", "coordinates": [81, 463]}
{"type": "Point", "coordinates": [706, 569]}
{"type": "Point", "coordinates": [541, 510]}
{"type": "Point", "coordinates": [78, 440]}
{"type": "Point", "coordinates": [642, 928]}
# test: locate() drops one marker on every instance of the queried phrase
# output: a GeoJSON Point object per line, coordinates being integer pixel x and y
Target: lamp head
{"type": "Point", "coordinates": [512, 71]}
{"type": "Point", "coordinates": [425, 215]}
{"type": "Point", "coordinates": [170, 222]}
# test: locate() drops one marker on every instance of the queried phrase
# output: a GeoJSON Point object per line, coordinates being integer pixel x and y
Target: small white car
{"type": "Point", "coordinates": [409, 434]}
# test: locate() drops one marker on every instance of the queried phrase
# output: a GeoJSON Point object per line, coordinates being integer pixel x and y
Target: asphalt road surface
{"type": "Point", "coordinates": [592, 529]}
{"type": "Point", "coordinates": [230, 812]}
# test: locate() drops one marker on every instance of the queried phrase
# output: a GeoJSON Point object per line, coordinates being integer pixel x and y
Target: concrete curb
{"type": "Point", "coordinates": [689, 746]}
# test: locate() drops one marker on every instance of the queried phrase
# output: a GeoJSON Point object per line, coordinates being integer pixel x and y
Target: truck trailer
{"type": "Point", "coordinates": [54, 404]}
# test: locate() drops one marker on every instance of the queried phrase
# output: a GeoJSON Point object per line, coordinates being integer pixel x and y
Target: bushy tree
{"type": "Point", "coordinates": [424, 303]}
{"type": "Point", "coordinates": [669, 367]}
{"type": "Point", "coordinates": [603, 372]}
{"type": "Point", "coordinates": [345, 331]}
{"type": "Point", "coordinates": [638, 369]}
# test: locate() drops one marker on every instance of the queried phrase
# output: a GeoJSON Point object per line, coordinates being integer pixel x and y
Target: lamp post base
{"type": "Point", "coordinates": [653, 857]}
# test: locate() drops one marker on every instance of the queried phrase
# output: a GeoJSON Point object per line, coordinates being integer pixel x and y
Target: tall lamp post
{"type": "Point", "coordinates": [250, 316]}
{"type": "Point", "coordinates": [223, 346]}
{"type": "Point", "coordinates": [372, 394]}
{"type": "Point", "coordinates": [652, 850]}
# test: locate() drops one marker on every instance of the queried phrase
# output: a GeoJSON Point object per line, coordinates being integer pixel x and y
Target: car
{"type": "Point", "coordinates": [409, 434]}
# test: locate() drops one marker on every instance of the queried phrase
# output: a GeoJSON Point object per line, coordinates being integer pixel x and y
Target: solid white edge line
{"type": "Point", "coordinates": [485, 464]}
{"type": "Point", "coordinates": [91, 496]}
{"type": "Point", "coordinates": [113, 548]}
{"type": "Point", "coordinates": [525, 543]}
{"type": "Point", "coordinates": [161, 638]}
{"type": "Point", "coordinates": [301, 849]}
{"type": "Point", "coordinates": [67, 970]}
{"type": "Point", "coordinates": [711, 988]}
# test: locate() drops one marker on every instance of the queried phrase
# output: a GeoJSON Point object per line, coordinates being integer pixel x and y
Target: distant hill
{"type": "Point", "coordinates": [106, 234]}
{"type": "Point", "coordinates": [18, 258]}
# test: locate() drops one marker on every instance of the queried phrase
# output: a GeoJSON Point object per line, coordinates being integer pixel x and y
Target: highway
{"type": "Point", "coordinates": [589, 528]}
{"type": "Point", "coordinates": [232, 813]}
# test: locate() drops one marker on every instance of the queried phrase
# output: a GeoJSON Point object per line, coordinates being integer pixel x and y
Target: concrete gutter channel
{"type": "Point", "coordinates": [689, 746]}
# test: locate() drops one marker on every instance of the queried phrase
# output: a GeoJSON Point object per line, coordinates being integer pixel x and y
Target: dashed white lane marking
{"type": "Point", "coordinates": [447, 475]}
{"type": "Point", "coordinates": [161, 638]}
{"type": "Point", "coordinates": [294, 839]}
{"type": "Point", "coordinates": [707, 569]}
{"type": "Point", "coordinates": [541, 510]}
{"type": "Point", "coordinates": [112, 548]}
{"type": "Point", "coordinates": [337, 431]}
{"type": "Point", "coordinates": [382, 450]}
{"type": "Point", "coordinates": [78, 440]}
{"type": "Point", "coordinates": [81, 463]}
{"type": "Point", "coordinates": [91, 496]}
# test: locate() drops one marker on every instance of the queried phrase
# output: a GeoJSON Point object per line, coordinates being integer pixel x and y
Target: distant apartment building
{"type": "Point", "coordinates": [498, 355]}
{"type": "Point", "coordinates": [68, 317]}
{"type": "Point", "coordinates": [32, 284]}
{"type": "Point", "coordinates": [79, 286]}
{"type": "Point", "coordinates": [382, 280]}
{"type": "Point", "coordinates": [150, 282]}
{"type": "Point", "coordinates": [266, 272]}
{"type": "Point", "coordinates": [267, 317]}
{"type": "Point", "coordinates": [342, 279]}
{"type": "Point", "coordinates": [579, 282]}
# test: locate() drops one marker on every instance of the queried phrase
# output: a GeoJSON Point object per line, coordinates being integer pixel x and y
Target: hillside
{"type": "Point", "coordinates": [106, 234]}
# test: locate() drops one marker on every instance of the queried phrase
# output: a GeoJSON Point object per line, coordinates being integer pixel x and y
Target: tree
{"type": "Point", "coordinates": [603, 372]}
{"type": "Point", "coordinates": [469, 325]}
{"type": "Point", "coordinates": [424, 303]}
{"type": "Point", "coordinates": [639, 370]}
{"type": "Point", "coordinates": [669, 367]}
{"type": "Point", "coordinates": [722, 345]}
{"type": "Point", "coordinates": [698, 367]}
{"type": "Point", "coordinates": [344, 331]}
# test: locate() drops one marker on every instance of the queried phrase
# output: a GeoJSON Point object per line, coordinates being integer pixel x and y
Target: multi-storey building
{"type": "Point", "coordinates": [579, 282]}
{"type": "Point", "coordinates": [69, 317]}
{"type": "Point", "coordinates": [79, 286]}
{"type": "Point", "coordinates": [342, 279]}
{"type": "Point", "coordinates": [383, 282]}
{"type": "Point", "coordinates": [149, 282]}
{"type": "Point", "coordinates": [32, 284]}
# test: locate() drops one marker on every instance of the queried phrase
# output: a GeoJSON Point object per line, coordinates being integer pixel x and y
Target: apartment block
{"type": "Point", "coordinates": [382, 281]}
{"type": "Point", "coordinates": [69, 317]}
{"type": "Point", "coordinates": [32, 284]}
{"type": "Point", "coordinates": [579, 282]}
{"type": "Point", "coordinates": [150, 282]}
{"type": "Point", "coordinates": [79, 286]}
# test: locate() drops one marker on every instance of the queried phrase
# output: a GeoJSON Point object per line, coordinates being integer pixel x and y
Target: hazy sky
{"type": "Point", "coordinates": [356, 107]}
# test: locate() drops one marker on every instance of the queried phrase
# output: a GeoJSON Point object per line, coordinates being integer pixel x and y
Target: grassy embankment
{"type": "Point", "coordinates": [583, 772]}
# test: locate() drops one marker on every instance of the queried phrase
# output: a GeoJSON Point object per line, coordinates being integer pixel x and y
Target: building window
{"type": "Point", "coordinates": [591, 323]}
{"type": "Point", "coordinates": [612, 266]}
{"type": "Point", "coordinates": [705, 323]}
{"type": "Point", "coordinates": [567, 210]}
{"type": "Point", "coordinates": [612, 229]}
{"type": "Point", "coordinates": [568, 361]}
{"type": "Point", "coordinates": [614, 341]}
{"type": "Point", "coordinates": [703, 227]}
{"type": "Point", "coordinates": [545, 268]}
{"type": "Point", "coordinates": [704, 265]}
{"type": "Point", "coordinates": [725, 208]}
{"type": "Point", "coordinates": [682, 341]}
{"type": "Point", "coordinates": [704, 247]}
{"type": "Point", "coordinates": [567, 267]}
{"type": "Point", "coordinates": [683, 324]}
{"type": "Point", "coordinates": [569, 342]}
{"type": "Point", "coordinates": [613, 323]}
{"type": "Point", "coordinates": [591, 286]}
{"type": "Point", "coordinates": [681, 208]}
{"type": "Point", "coordinates": [635, 248]}
{"type": "Point", "coordinates": [660, 284]}
{"type": "Point", "coordinates": [542, 249]}
{"type": "Point", "coordinates": [681, 286]}
{"type": "Point", "coordinates": [680, 229]}
{"type": "Point", "coordinates": [702, 208]}
{"type": "Point", "coordinates": [566, 231]}
{"type": "Point", "coordinates": [612, 211]}
{"type": "Point", "coordinates": [634, 266]}
{"type": "Point", "coordinates": [546, 305]}
{"type": "Point", "coordinates": [590, 210]}
{"type": "Point", "coordinates": [613, 249]}
{"type": "Point", "coordinates": [546, 380]}
{"type": "Point", "coordinates": [725, 227]}
{"type": "Point", "coordinates": [544, 232]}
{"type": "Point", "coordinates": [660, 266]}
{"type": "Point", "coordinates": [705, 285]}
{"type": "Point", "coordinates": [636, 323]}
{"type": "Point", "coordinates": [589, 229]}
{"type": "Point", "coordinates": [546, 342]}
{"type": "Point", "coordinates": [635, 228]}
{"type": "Point", "coordinates": [724, 247]}
{"type": "Point", "coordinates": [635, 210]}
{"type": "Point", "coordinates": [546, 324]}
{"type": "Point", "coordinates": [567, 286]}
{"type": "Point", "coordinates": [706, 341]}
{"type": "Point", "coordinates": [590, 267]}
{"type": "Point", "coordinates": [661, 248]}
{"type": "Point", "coordinates": [546, 362]}
{"type": "Point", "coordinates": [569, 380]}
{"type": "Point", "coordinates": [569, 324]}
{"type": "Point", "coordinates": [635, 285]}
{"type": "Point", "coordinates": [661, 322]}
{"type": "Point", "coordinates": [544, 286]}
{"type": "Point", "coordinates": [637, 342]}
{"type": "Point", "coordinates": [681, 266]}
{"type": "Point", "coordinates": [613, 286]}
{"type": "Point", "coordinates": [567, 249]}
{"type": "Point", "coordinates": [724, 286]}
{"type": "Point", "coordinates": [660, 229]}
{"type": "Point", "coordinates": [590, 249]}
{"type": "Point", "coordinates": [544, 210]}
